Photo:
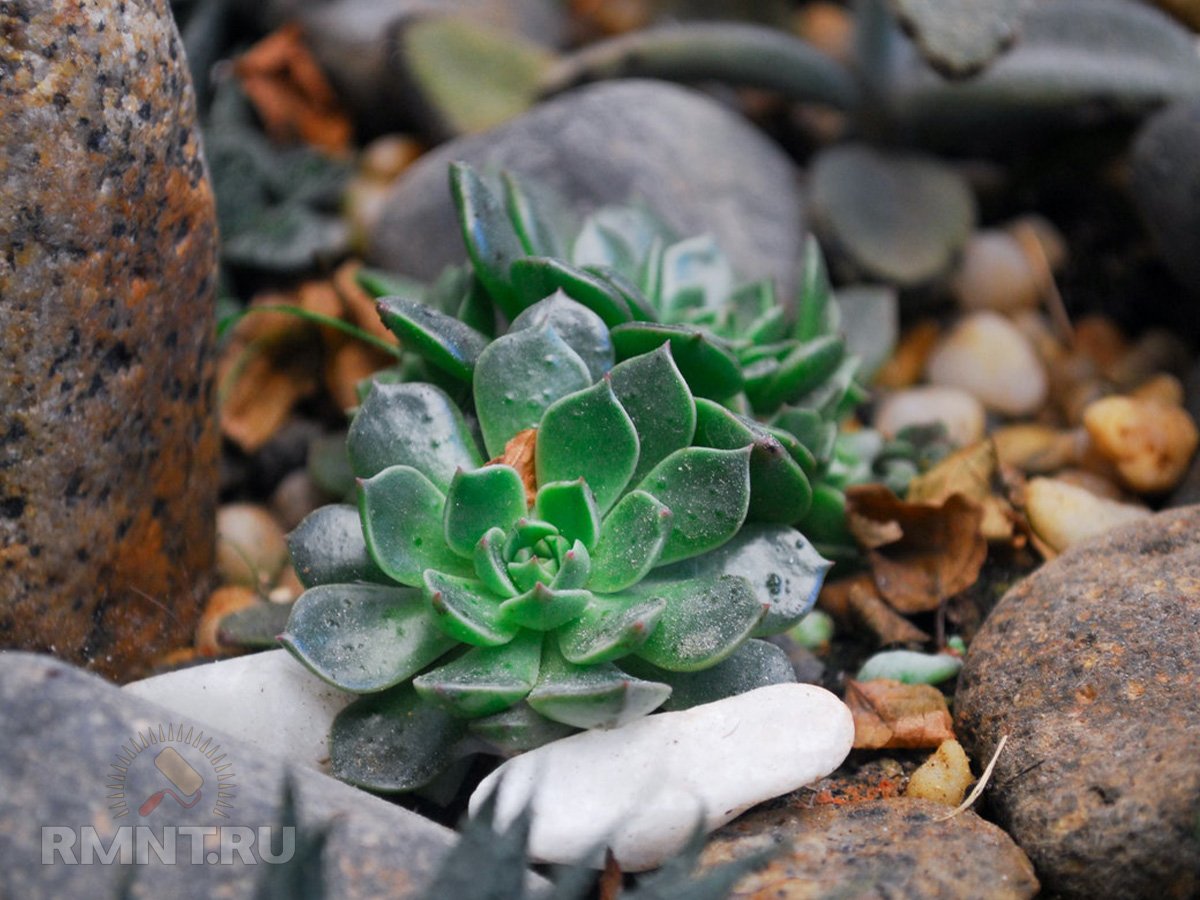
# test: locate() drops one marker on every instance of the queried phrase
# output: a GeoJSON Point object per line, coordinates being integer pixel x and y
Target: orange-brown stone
{"type": "Point", "coordinates": [107, 271]}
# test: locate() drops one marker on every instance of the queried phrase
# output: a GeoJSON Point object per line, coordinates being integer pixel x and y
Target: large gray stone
{"type": "Point", "coordinates": [66, 732]}
{"type": "Point", "coordinates": [699, 166]}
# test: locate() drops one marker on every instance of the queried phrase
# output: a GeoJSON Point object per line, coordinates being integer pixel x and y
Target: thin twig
{"type": "Point", "coordinates": [979, 785]}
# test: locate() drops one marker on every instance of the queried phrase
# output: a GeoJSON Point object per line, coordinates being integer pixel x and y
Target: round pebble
{"type": "Point", "coordinates": [251, 547]}
{"type": "Point", "coordinates": [959, 411]}
{"type": "Point", "coordinates": [994, 274]}
{"type": "Point", "coordinates": [988, 356]}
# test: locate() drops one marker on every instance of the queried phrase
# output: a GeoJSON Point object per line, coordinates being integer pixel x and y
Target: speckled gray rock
{"type": "Point", "coordinates": [108, 446]}
{"type": "Point", "coordinates": [65, 734]}
{"type": "Point", "coordinates": [699, 166]}
{"type": "Point", "coordinates": [1091, 666]}
{"type": "Point", "coordinates": [888, 848]}
{"type": "Point", "coordinates": [1166, 187]}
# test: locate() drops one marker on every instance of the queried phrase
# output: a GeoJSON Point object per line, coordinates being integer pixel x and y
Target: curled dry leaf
{"type": "Point", "coordinates": [890, 715]}
{"type": "Point", "coordinates": [970, 472]}
{"type": "Point", "coordinates": [291, 94]}
{"type": "Point", "coordinates": [855, 602]}
{"type": "Point", "coordinates": [904, 367]}
{"type": "Point", "coordinates": [519, 453]}
{"type": "Point", "coordinates": [939, 553]}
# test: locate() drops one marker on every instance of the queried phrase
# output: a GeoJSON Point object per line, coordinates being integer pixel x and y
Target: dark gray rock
{"type": "Point", "coordinates": [67, 732]}
{"type": "Point", "coordinates": [1091, 666]}
{"type": "Point", "coordinates": [108, 445]}
{"type": "Point", "coordinates": [696, 164]}
{"type": "Point", "coordinates": [1166, 187]}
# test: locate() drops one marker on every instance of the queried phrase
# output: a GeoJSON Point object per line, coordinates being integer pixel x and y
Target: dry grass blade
{"type": "Point", "coordinates": [979, 785]}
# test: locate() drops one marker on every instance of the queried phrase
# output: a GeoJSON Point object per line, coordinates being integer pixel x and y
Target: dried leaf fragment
{"type": "Point", "coordinates": [519, 453]}
{"type": "Point", "coordinates": [969, 472]}
{"type": "Point", "coordinates": [856, 602]}
{"type": "Point", "coordinates": [892, 715]}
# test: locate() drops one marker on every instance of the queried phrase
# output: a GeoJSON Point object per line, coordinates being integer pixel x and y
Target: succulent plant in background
{"type": "Point", "coordinates": [502, 600]}
{"type": "Point", "coordinates": [772, 376]}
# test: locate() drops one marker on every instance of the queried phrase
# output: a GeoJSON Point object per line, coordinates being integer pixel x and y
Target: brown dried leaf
{"type": "Point", "coordinates": [855, 603]}
{"type": "Point", "coordinates": [519, 453]}
{"type": "Point", "coordinates": [970, 472]}
{"type": "Point", "coordinates": [349, 364]}
{"type": "Point", "coordinates": [907, 362]}
{"type": "Point", "coordinates": [940, 552]}
{"type": "Point", "coordinates": [893, 715]}
{"type": "Point", "coordinates": [291, 94]}
{"type": "Point", "coordinates": [359, 306]}
{"type": "Point", "coordinates": [608, 887]}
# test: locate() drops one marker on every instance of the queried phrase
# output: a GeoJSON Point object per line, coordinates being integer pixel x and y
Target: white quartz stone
{"type": "Point", "coordinates": [267, 699]}
{"type": "Point", "coordinates": [988, 356]}
{"type": "Point", "coordinates": [642, 788]}
{"type": "Point", "coordinates": [958, 410]}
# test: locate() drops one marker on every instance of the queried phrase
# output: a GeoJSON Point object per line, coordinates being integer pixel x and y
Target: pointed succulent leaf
{"type": "Point", "coordinates": [538, 277]}
{"type": "Point", "coordinates": [449, 344]}
{"type": "Point", "coordinates": [401, 513]}
{"type": "Point", "coordinates": [753, 665]}
{"type": "Point", "coordinates": [826, 519]}
{"type": "Point", "coordinates": [393, 741]}
{"type": "Point", "coordinates": [617, 237]}
{"type": "Point", "coordinates": [639, 305]}
{"type": "Point", "coordinates": [708, 367]}
{"type": "Point", "coordinates": [757, 313]}
{"type": "Point", "coordinates": [801, 454]}
{"type": "Point", "coordinates": [836, 395]}
{"type": "Point", "coordinates": [599, 696]}
{"type": "Point", "coordinates": [544, 608]}
{"type": "Point", "coordinates": [588, 434]}
{"type": "Point", "coordinates": [705, 620]}
{"type": "Point", "coordinates": [464, 609]}
{"type": "Point", "coordinates": [379, 283]}
{"type": "Point", "coordinates": [571, 507]}
{"type": "Point", "coordinates": [539, 217]}
{"type": "Point", "coordinates": [631, 541]}
{"type": "Point", "coordinates": [492, 243]}
{"type": "Point", "coordinates": [803, 370]}
{"type": "Point", "coordinates": [328, 548]}
{"type": "Point", "coordinates": [492, 496]}
{"type": "Point", "coordinates": [490, 565]}
{"type": "Point", "coordinates": [484, 680]}
{"type": "Point", "coordinates": [528, 574]}
{"type": "Point", "coordinates": [526, 533]}
{"type": "Point", "coordinates": [583, 330]}
{"type": "Point", "coordinates": [708, 493]}
{"type": "Point", "coordinates": [363, 638]}
{"type": "Point", "coordinates": [518, 377]}
{"type": "Point", "coordinates": [694, 265]}
{"type": "Point", "coordinates": [779, 489]}
{"type": "Point", "coordinates": [660, 405]}
{"type": "Point", "coordinates": [781, 565]}
{"type": "Point", "coordinates": [811, 430]}
{"type": "Point", "coordinates": [411, 425]}
{"type": "Point", "coordinates": [574, 570]}
{"type": "Point", "coordinates": [518, 729]}
{"type": "Point", "coordinates": [612, 627]}
{"type": "Point", "coordinates": [816, 309]}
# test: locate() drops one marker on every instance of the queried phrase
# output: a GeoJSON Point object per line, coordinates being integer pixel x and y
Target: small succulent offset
{"type": "Point", "coordinates": [512, 600]}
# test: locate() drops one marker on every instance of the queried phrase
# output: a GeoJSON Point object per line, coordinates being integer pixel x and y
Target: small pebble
{"type": "Point", "coordinates": [989, 357]}
{"type": "Point", "coordinates": [995, 274]}
{"type": "Point", "coordinates": [1099, 339]}
{"type": "Point", "coordinates": [1150, 443]}
{"type": "Point", "coordinates": [1048, 238]}
{"type": "Point", "coordinates": [1038, 449]}
{"type": "Point", "coordinates": [251, 547]}
{"type": "Point", "coordinates": [295, 497]}
{"type": "Point", "coordinates": [944, 777]}
{"type": "Point", "coordinates": [959, 411]}
{"type": "Point", "coordinates": [1162, 388]}
{"type": "Point", "coordinates": [1064, 514]}
{"type": "Point", "coordinates": [643, 787]}
{"type": "Point", "coordinates": [221, 603]}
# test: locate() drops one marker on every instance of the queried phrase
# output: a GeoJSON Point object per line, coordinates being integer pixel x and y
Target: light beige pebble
{"type": "Point", "coordinates": [1063, 514]}
{"type": "Point", "coordinates": [1094, 482]}
{"type": "Point", "coordinates": [1162, 388]}
{"type": "Point", "coordinates": [1049, 240]}
{"type": "Point", "coordinates": [994, 273]}
{"type": "Point", "coordinates": [1150, 443]}
{"type": "Point", "coordinates": [1039, 449]}
{"type": "Point", "coordinates": [944, 777]}
{"type": "Point", "coordinates": [960, 412]}
{"type": "Point", "coordinates": [988, 356]}
{"type": "Point", "coordinates": [251, 546]}
{"type": "Point", "coordinates": [220, 604]}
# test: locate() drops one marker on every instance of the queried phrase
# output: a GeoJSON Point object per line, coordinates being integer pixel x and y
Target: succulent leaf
{"type": "Point", "coordinates": [612, 627]}
{"type": "Point", "coordinates": [401, 513]}
{"type": "Point", "coordinates": [543, 608]}
{"type": "Point", "coordinates": [802, 370]}
{"type": "Point", "coordinates": [464, 609]}
{"type": "Point", "coordinates": [484, 680]}
{"type": "Point", "coordinates": [517, 729]}
{"type": "Point", "coordinates": [538, 277]}
{"type": "Point", "coordinates": [413, 425]}
{"type": "Point", "coordinates": [574, 569]}
{"type": "Point", "coordinates": [705, 620]}
{"type": "Point", "coordinates": [660, 405]}
{"type": "Point", "coordinates": [613, 237]}
{"type": "Point", "coordinates": [596, 696]}
{"type": "Point", "coordinates": [753, 665]}
{"type": "Point", "coordinates": [392, 741]}
{"type": "Point", "coordinates": [492, 242]}
{"type": "Point", "coordinates": [539, 219]}
{"type": "Point", "coordinates": [328, 548]}
{"type": "Point", "coordinates": [708, 493]}
{"type": "Point", "coordinates": [631, 541]}
{"type": "Point", "coordinates": [588, 434]}
{"type": "Point", "coordinates": [708, 367]}
{"type": "Point", "coordinates": [518, 377]}
{"type": "Point", "coordinates": [639, 305]}
{"type": "Point", "coordinates": [583, 330]}
{"type": "Point", "coordinates": [448, 343]}
{"type": "Point", "coordinates": [811, 430]}
{"type": "Point", "coordinates": [492, 496]}
{"type": "Point", "coordinates": [362, 637]}
{"type": "Point", "coordinates": [490, 564]}
{"type": "Point", "coordinates": [695, 267]}
{"type": "Point", "coordinates": [816, 311]}
{"type": "Point", "coordinates": [528, 574]}
{"type": "Point", "coordinates": [571, 507]}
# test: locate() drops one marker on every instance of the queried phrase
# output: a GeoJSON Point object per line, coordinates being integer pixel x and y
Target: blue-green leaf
{"type": "Point", "coordinates": [705, 363]}
{"type": "Point", "coordinates": [518, 729]}
{"type": "Point", "coordinates": [539, 217]}
{"type": "Point", "coordinates": [753, 665]}
{"type": "Point", "coordinates": [465, 610]}
{"type": "Point", "coordinates": [910, 667]}
{"type": "Point", "coordinates": [401, 512]}
{"type": "Point", "coordinates": [492, 243]}
{"type": "Point", "coordinates": [659, 403]}
{"type": "Point", "coordinates": [492, 496]}
{"type": "Point", "coordinates": [817, 312]}
{"type": "Point", "coordinates": [610, 628]}
{"type": "Point", "coordinates": [596, 696]}
{"type": "Point", "coordinates": [631, 541]}
{"type": "Point", "coordinates": [449, 344]}
{"type": "Point", "coordinates": [537, 278]}
{"type": "Point", "coordinates": [693, 268]}
{"type": "Point", "coordinates": [484, 680]}
{"type": "Point", "coordinates": [328, 547]}
{"type": "Point", "coordinates": [583, 330]}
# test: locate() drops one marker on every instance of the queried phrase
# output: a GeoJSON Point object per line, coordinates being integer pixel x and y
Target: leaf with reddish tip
{"type": "Point", "coordinates": [484, 680]}
{"type": "Point", "coordinates": [465, 610]}
{"type": "Point", "coordinates": [612, 627]}
{"type": "Point", "coordinates": [596, 696]}
{"type": "Point", "coordinates": [543, 608]}
{"type": "Point", "coordinates": [705, 620]}
{"type": "Point", "coordinates": [631, 541]}
{"type": "Point", "coordinates": [492, 496]}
